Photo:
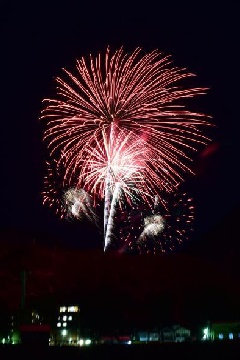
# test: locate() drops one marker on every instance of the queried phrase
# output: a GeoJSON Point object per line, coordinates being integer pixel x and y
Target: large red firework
{"type": "Point", "coordinates": [123, 96]}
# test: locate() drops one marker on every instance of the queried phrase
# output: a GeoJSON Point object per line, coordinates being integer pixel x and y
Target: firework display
{"type": "Point", "coordinates": [68, 203]}
{"type": "Point", "coordinates": [53, 191]}
{"type": "Point", "coordinates": [160, 230]}
{"type": "Point", "coordinates": [119, 130]}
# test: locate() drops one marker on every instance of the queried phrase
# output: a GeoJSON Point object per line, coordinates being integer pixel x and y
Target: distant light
{"type": "Point", "coordinates": [129, 342]}
{"type": "Point", "coordinates": [205, 334]}
{"type": "Point", "coordinates": [87, 342]}
{"type": "Point", "coordinates": [64, 332]}
{"type": "Point", "coordinates": [81, 342]}
{"type": "Point", "coordinates": [58, 324]}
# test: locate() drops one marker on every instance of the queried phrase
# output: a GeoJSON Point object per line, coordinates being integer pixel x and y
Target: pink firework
{"type": "Point", "coordinates": [130, 98]}
{"type": "Point", "coordinates": [116, 171]}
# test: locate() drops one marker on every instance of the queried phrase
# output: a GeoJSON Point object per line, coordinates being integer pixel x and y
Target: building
{"type": "Point", "coordinates": [174, 333]}
{"type": "Point", "coordinates": [225, 330]}
{"type": "Point", "coordinates": [67, 330]}
{"type": "Point", "coordinates": [147, 336]}
{"type": "Point", "coordinates": [181, 334]}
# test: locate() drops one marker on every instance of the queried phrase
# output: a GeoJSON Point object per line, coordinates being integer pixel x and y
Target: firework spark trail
{"type": "Point", "coordinates": [125, 93]}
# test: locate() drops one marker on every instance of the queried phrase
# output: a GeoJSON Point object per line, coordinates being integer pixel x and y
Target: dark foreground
{"type": "Point", "coordinates": [195, 351]}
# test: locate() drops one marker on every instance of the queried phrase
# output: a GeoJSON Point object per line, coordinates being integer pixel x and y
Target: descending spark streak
{"type": "Point", "coordinates": [125, 94]}
{"type": "Point", "coordinates": [107, 203]}
{"type": "Point", "coordinates": [110, 219]}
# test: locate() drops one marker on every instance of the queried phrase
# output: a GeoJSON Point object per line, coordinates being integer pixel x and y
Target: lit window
{"type": "Point", "coordinates": [58, 324]}
{"type": "Point", "coordinates": [70, 318]}
{"type": "Point", "coordinates": [63, 309]}
{"type": "Point", "coordinates": [64, 318]}
{"type": "Point", "coordinates": [64, 324]}
{"type": "Point", "coordinates": [220, 336]}
{"type": "Point", "coordinates": [230, 335]}
{"type": "Point", "coordinates": [64, 332]}
{"type": "Point", "coordinates": [72, 308]}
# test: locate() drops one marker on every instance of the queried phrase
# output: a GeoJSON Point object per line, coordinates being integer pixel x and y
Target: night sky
{"type": "Point", "coordinates": [37, 40]}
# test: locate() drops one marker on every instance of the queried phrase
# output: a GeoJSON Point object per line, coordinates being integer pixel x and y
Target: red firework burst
{"type": "Point", "coordinates": [131, 98]}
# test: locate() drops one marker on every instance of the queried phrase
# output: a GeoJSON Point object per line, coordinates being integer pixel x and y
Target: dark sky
{"type": "Point", "coordinates": [39, 38]}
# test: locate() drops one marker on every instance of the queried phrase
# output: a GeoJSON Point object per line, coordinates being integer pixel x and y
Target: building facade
{"type": "Point", "coordinates": [67, 331]}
